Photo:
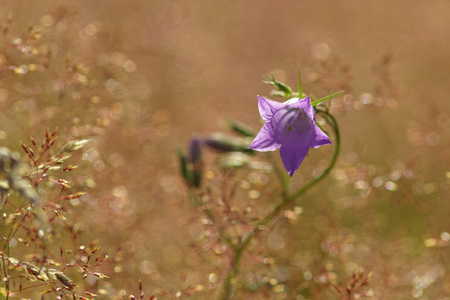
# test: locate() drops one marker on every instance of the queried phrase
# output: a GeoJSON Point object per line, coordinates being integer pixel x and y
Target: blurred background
{"type": "Point", "coordinates": [141, 77]}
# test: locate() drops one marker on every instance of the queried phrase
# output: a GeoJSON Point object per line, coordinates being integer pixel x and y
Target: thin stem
{"type": "Point", "coordinates": [300, 92]}
{"type": "Point", "coordinates": [228, 287]}
{"type": "Point", "coordinates": [6, 276]}
{"type": "Point", "coordinates": [287, 199]}
{"type": "Point", "coordinates": [332, 121]}
{"type": "Point", "coordinates": [314, 103]}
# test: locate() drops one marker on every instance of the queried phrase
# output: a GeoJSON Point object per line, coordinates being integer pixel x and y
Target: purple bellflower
{"type": "Point", "coordinates": [291, 127]}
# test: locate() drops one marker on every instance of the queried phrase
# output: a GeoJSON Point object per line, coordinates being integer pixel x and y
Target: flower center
{"type": "Point", "coordinates": [299, 123]}
{"type": "Point", "coordinates": [289, 122]}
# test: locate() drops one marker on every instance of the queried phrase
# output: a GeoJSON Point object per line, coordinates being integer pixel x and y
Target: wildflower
{"type": "Point", "coordinates": [290, 127]}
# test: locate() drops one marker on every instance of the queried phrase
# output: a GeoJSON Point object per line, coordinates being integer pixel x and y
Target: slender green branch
{"type": "Point", "coordinates": [314, 181]}
{"type": "Point", "coordinates": [314, 103]}
{"type": "Point", "coordinates": [332, 121]}
{"type": "Point", "coordinates": [300, 92]}
{"type": "Point", "coordinates": [228, 287]}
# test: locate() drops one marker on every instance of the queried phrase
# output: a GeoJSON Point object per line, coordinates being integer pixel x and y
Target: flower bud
{"type": "Point", "coordinates": [191, 165]}
{"type": "Point", "coordinates": [223, 143]}
{"type": "Point", "coordinates": [195, 150]}
{"type": "Point", "coordinates": [279, 86]}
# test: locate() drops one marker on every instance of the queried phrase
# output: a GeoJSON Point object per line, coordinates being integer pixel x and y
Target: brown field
{"type": "Point", "coordinates": [139, 78]}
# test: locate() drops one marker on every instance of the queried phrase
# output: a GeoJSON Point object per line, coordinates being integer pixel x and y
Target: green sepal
{"type": "Point", "coordinates": [315, 102]}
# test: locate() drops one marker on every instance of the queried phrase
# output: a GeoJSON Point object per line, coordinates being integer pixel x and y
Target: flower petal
{"type": "Point", "coordinates": [304, 104]}
{"type": "Point", "coordinates": [268, 107]}
{"type": "Point", "coordinates": [319, 138]}
{"type": "Point", "coordinates": [290, 127]}
{"type": "Point", "coordinates": [264, 140]}
{"type": "Point", "coordinates": [292, 157]}
{"type": "Point", "coordinates": [295, 144]}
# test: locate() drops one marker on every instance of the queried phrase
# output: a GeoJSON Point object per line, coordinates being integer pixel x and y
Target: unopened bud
{"type": "Point", "coordinates": [279, 86]}
{"type": "Point", "coordinates": [222, 143]}
{"type": "Point", "coordinates": [195, 150]}
{"type": "Point", "coordinates": [191, 165]}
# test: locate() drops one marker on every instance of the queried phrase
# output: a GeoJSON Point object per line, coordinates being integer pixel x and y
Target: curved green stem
{"type": "Point", "coordinates": [287, 199]}
{"type": "Point", "coordinates": [332, 121]}
{"type": "Point", "coordinates": [290, 198]}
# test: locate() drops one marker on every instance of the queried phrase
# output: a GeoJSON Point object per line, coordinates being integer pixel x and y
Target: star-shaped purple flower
{"type": "Point", "coordinates": [291, 127]}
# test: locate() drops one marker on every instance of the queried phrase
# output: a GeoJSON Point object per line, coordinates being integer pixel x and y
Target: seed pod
{"type": "Point", "coordinates": [61, 277]}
